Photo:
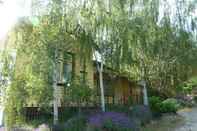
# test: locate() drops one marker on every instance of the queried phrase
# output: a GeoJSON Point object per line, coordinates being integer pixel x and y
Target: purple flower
{"type": "Point", "coordinates": [119, 119]}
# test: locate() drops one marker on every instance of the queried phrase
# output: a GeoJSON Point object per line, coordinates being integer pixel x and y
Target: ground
{"type": "Point", "coordinates": [190, 118]}
{"type": "Point", "coordinates": [186, 120]}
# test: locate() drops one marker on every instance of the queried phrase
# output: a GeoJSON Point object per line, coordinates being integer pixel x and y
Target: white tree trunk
{"type": "Point", "coordinates": [101, 86]}
{"type": "Point", "coordinates": [100, 70]}
{"type": "Point", "coordinates": [55, 97]}
{"type": "Point", "coordinates": [55, 105]}
{"type": "Point", "coordinates": [145, 95]}
{"type": "Point", "coordinates": [2, 115]}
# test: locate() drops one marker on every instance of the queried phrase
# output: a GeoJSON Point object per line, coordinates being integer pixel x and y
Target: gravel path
{"type": "Point", "coordinates": [186, 120]}
{"type": "Point", "coordinates": [190, 120]}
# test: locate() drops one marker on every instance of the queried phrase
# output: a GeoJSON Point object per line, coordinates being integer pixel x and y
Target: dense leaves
{"type": "Point", "coordinates": [140, 39]}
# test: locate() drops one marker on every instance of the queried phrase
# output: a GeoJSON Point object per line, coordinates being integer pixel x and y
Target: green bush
{"type": "Point", "coordinates": [155, 103]}
{"type": "Point", "coordinates": [169, 106]}
{"type": "Point", "coordinates": [110, 126]}
{"type": "Point", "coordinates": [67, 113]}
{"type": "Point", "coordinates": [195, 99]}
{"type": "Point", "coordinates": [79, 93]}
{"type": "Point", "coordinates": [77, 123]}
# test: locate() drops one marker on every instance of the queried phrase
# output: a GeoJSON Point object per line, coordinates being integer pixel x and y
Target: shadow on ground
{"type": "Point", "coordinates": [186, 120]}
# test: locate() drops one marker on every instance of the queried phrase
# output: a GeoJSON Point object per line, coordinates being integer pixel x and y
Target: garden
{"type": "Point", "coordinates": [55, 61]}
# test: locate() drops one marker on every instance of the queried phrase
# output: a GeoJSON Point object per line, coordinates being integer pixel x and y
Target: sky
{"type": "Point", "coordinates": [10, 10]}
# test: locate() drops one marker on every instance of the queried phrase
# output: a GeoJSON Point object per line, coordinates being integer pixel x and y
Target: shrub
{"type": "Point", "coordinates": [67, 113]}
{"type": "Point", "coordinates": [112, 121]}
{"type": "Point", "coordinates": [169, 106]}
{"type": "Point", "coordinates": [74, 124]}
{"type": "Point", "coordinates": [155, 103]}
{"type": "Point", "coordinates": [110, 126]}
{"type": "Point", "coordinates": [79, 93]}
{"type": "Point", "coordinates": [195, 99]}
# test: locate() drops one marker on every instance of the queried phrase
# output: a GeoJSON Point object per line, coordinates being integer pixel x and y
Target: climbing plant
{"type": "Point", "coordinates": [133, 37]}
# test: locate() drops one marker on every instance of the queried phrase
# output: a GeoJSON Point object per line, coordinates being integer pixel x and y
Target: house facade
{"type": "Point", "coordinates": [118, 89]}
{"type": "Point", "coordinates": [72, 65]}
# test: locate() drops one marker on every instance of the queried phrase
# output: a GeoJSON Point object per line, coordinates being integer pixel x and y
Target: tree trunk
{"type": "Point", "coordinates": [100, 70]}
{"type": "Point", "coordinates": [2, 113]}
{"type": "Point", "coordinates": [55, 105]}
{"type": "Point", "coordinates": [55, 99]}
{"type": "Point", "coordinates": [145, 94]}
{"type": "Point", "coordinates": [102, 87]}
{"type": "Point", "coordinates": [144, 84]}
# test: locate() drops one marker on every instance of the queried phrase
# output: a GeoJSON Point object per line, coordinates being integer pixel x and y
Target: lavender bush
{"type": "Point", "coordinates": [119, 120]}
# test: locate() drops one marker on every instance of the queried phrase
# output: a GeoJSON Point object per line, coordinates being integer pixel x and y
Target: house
{"type": "Point", "coordinates": [118, 88]}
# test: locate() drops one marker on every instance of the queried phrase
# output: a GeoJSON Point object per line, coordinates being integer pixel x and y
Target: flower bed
{"type": "Point", "coordinates": [107, 120]}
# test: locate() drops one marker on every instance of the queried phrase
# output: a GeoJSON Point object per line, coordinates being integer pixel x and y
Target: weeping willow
{"type": "Point", "coordinates": [140, 39]}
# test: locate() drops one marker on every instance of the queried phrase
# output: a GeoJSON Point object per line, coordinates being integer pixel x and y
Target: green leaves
{"type": "Point", "coordinates": [129, 34]}
{"type": "Point", "coordinates": [79, 93]}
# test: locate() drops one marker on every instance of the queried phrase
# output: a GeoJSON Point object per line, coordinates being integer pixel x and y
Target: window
{"type": "Point", "coordinates": [67, 68]}
{"type": "Point", "coordinates": [67, 73]}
